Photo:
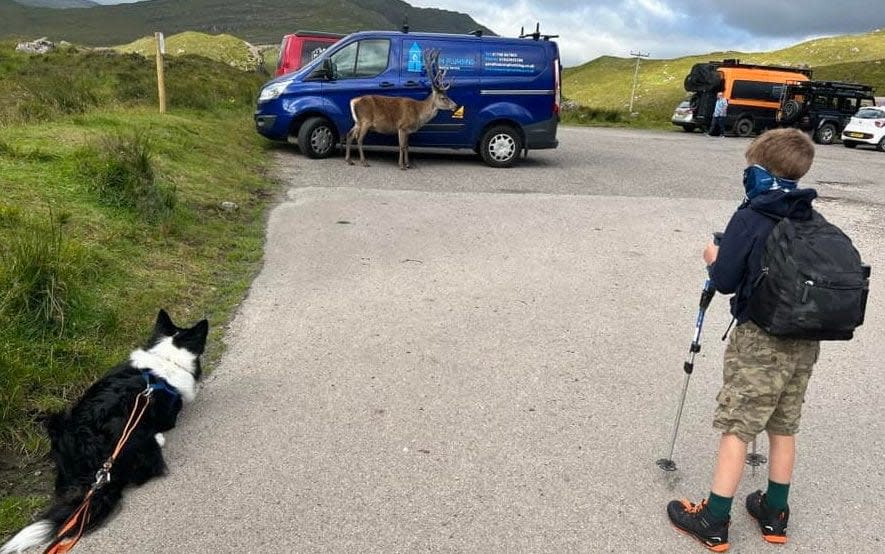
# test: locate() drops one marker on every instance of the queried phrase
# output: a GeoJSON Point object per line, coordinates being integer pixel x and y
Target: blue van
{"type": "Point", "coordinates": [507, 90]}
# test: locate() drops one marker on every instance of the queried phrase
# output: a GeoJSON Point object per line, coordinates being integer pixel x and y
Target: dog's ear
{"type": "Point", "coordinates": [194, 339]}
{"type": "Point", "coordinates": [164, 326]}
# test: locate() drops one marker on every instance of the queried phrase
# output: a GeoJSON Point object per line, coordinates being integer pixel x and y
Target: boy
{"type": "Point", "coordinates": [764, 377]}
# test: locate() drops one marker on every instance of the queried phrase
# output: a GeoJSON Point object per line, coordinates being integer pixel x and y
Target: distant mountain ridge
{"type": "Point", "coordinates": [58, 4]}
{"type": "Point", "coordinates": [257, 21]}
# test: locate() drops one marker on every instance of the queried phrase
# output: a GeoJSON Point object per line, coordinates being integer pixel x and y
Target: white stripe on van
{"type": "Point", "coordinates": [516, 92]}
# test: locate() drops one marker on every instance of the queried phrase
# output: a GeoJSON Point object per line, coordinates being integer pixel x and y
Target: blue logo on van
{"type": "Point", "coordinates": [416, 63]}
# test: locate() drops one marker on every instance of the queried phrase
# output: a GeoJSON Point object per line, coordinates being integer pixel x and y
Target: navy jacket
{"type": "Point", "coordinates": [739, 261]}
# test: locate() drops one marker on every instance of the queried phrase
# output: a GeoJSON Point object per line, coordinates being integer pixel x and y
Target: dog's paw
{"type": "Point", "coordinates": [161, 440]}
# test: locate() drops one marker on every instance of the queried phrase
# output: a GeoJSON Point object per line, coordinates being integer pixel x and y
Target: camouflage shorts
{"type": "Point", "coordinates": [764, 382]}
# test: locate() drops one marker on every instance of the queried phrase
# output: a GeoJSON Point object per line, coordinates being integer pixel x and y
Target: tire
{"type": "Point", "coordinates": [688, 128]}
{"type": "Point", "coordinates": [790, 111]}
{"type": "Point", "coordinates": [317, 138]}
{"type": "Point", "coordinates": [825, 134]}
{"type": "Point", "coordinates": [881, 146]}
{"type": "Point", "coordinates": [744, 127]}
{"type": "Point", "coordinates": [849, 144]}
{"type": "Point", "coordinates": [500, 146]}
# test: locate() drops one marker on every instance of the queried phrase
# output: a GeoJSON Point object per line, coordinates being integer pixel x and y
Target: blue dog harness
{"type": "Point", "coordinates": [158, 384]}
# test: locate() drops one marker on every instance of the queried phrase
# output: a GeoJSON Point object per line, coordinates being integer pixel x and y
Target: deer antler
{"type": "Point", "coordinates": [434, 73]}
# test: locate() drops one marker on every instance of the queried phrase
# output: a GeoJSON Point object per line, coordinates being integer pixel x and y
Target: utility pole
{"type": "Point", "coordinates": [637, 54]}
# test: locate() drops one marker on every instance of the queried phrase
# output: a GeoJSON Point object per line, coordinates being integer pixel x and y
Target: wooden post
{"type": "Point", "coordinates": [161, 76]}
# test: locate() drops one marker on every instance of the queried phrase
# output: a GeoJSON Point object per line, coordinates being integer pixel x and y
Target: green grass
{"type": "Point", "coordinates": [111, 211]}
{"type": "Point", "coordinates": [72, 81]}
{"type": "Point", "coordinates": [605, 83]}
{"type": "Point", "coordinates": [223, 48]}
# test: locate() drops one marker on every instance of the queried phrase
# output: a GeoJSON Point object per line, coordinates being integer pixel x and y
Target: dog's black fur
{"type": "Point", "coordinates": [84, 436]}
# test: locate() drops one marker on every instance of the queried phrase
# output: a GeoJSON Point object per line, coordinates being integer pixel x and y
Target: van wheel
{"type": "Point", "coordinates": [881, 145]}
{"type": "Point", "coordinates": [316, 138]}
{"type": "Point", "coordinates": [500, 146]}
{"type": "Point", "coordinates": [826, 134]}
{"type": "Point", "coordinates": [743, 127]}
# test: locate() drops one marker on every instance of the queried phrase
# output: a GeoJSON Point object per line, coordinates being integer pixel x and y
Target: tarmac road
{"type": "Point", "coordinates": [461, 359]}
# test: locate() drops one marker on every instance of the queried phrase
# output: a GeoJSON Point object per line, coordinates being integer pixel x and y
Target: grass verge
{"type": "Point", "coordinates": [100, 227]}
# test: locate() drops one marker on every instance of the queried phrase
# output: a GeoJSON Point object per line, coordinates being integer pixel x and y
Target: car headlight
{"type": "Point", "coordinates": [272, 91]}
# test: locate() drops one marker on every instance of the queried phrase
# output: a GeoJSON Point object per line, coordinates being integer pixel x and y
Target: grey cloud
{"type": "Point", "coordinates": [789, 19]}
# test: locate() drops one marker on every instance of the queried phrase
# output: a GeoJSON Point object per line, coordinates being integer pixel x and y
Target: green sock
{"type": "Point", "coordinates": [776, 496]}
{"type": "Point", "coordinates": [719, 506]}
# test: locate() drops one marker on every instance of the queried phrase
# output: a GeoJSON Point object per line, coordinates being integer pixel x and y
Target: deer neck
{"type": "Point", "coordinates": [427, 109]}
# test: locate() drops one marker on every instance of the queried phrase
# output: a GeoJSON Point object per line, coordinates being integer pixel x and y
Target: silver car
{"type": "Point", "coordinates": [683, 116]}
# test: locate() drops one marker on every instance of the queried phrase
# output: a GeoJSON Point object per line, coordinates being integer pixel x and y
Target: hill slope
{"type": "Point", "coordinates": [58, 4]}
{"type": "Point", "coordinates": [258, 21]}
{"type": "Point", "coordinates": [606, 81]}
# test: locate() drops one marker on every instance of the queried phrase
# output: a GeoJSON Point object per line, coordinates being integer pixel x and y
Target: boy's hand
{"type": "Point", "coordinates": [710, 253]}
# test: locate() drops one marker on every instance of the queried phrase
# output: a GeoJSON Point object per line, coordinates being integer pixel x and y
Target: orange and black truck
{"type": "Point", "coordinates": [754, 93]}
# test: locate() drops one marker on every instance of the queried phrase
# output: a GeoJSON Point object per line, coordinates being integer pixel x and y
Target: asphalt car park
{"type": "Point", "coordinates": [459, 358]}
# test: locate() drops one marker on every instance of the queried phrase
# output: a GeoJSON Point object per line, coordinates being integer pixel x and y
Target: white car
{"type": "Point", "coordinates": [867, 126]}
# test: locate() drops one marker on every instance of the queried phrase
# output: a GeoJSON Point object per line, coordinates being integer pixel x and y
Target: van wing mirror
{"type": "Point", "coordinates": [325, 71]}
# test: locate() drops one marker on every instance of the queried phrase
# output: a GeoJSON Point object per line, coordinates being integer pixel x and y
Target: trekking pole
{"type": "Point", "coordinates": [667, 464]}
{"type": "Point", "coordinates": [755, 460]}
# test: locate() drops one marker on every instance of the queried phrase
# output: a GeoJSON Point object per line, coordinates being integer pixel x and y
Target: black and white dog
{"type": "Point", "coordinates": [84, 435]}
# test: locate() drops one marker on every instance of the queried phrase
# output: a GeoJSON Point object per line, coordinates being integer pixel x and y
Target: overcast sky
{"type": "Point", "coordinates": [667, 28]}
{"type": "Point", "coordinates": [588, 29]}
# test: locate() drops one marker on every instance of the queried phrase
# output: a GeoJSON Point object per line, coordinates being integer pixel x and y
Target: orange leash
{"type": "Point", "coordinates": [80, 518]}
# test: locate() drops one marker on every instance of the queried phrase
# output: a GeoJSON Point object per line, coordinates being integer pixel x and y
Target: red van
{"type": "Point", "coordinates": [299, 48]}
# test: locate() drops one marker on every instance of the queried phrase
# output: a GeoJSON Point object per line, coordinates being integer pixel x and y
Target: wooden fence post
{"type": "Point", "coordinates": [161, 75]}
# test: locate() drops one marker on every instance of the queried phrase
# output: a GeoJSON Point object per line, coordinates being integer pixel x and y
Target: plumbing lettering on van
{"type": "Point", "coordinates": [507, 61]}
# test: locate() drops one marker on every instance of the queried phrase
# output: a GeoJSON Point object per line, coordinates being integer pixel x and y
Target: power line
{"type": "Point", "coordinates": [638, 55]}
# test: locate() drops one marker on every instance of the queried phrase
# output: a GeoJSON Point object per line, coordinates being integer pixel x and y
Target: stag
{"type": "Point", "coordinates": [401, 116]}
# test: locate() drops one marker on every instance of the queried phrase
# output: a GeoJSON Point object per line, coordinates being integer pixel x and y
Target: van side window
{"type": "Point", "coordinates": [755, 90]}
{"type": "Point", "coordinates": [365, 58]}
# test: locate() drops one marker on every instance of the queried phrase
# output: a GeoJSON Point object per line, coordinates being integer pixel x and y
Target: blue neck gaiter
{"type": "Point", "coordinates": [757, 180]}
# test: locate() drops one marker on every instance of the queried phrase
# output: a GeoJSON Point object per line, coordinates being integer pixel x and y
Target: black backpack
{"type": "Point", "coordinates": [813, 284]}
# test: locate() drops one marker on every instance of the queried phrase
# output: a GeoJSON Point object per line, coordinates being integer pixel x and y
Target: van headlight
{"type": "Point", "coordinates": [272, 91]}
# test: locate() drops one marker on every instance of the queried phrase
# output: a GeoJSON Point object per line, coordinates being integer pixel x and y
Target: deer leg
{"type": "Point", "coordinates": [403, 149]}
{"type": "Point", "coordinates": [359, 142]}
{"type": "Point", "coordinates": [350, 135]}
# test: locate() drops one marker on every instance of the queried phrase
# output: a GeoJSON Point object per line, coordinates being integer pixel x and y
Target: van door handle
{"type": "Point", "coordinates": [412, 84]}
{"type": "Point", "coordinates": [385, 84]}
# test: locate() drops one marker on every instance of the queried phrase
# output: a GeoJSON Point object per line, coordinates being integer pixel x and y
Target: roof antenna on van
{"type": "Point", "coordinates": [405, 25]}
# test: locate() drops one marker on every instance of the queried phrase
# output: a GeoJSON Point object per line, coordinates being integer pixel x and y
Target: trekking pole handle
{"type": "Point", "coordinates": [709, 289]}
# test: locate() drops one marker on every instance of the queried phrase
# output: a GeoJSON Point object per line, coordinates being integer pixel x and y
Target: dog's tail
{"type": "Point", "coordinates": [45, 530]}
{"type": "Point", "coordinates": [36, 534]}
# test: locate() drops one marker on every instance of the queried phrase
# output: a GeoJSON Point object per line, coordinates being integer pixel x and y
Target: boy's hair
{"type": "Point", "coordinates": [785, 153]}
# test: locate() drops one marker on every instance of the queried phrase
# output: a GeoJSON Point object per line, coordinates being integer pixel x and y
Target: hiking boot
{"type": "Point", "coordinates": [695, 520]}
{"type": "Point", "coordinates": [773, 525]}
